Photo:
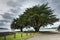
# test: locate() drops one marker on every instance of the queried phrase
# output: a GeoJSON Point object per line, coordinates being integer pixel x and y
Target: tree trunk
{"type": "Point", "coordinates": [27, 34]}
{"type": "Point", "coordinates": [14, 35]}
{"type": "Point", "coordinates": [21, 32]}
{"type": "Point", "coordinates": [36, 29]}
{"type": "Point", "coordinates": [4, 36]}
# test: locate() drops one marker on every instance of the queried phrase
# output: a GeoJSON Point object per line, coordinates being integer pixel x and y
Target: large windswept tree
{"type": "Point", "coordinates": [37, 16]}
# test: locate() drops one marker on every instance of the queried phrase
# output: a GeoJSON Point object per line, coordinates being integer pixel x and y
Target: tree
{"type": "Point", "coordinates": [58, 28]}
{"type": "Point", "coordinates": [37, 16]}
{"type": "Point", "coordinates": [14, 24]}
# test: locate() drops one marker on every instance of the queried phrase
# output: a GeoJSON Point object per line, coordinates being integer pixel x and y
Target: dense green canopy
{"type": "Point", "coordinates": [36, 17]}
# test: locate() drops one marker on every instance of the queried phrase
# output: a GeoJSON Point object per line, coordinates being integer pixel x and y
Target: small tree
{"type": "Point", "coordinates": [15, 25]}
{"type": "Point", "coordinates": [59, 28]}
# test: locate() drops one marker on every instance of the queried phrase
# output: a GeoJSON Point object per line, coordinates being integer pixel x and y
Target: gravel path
{"type": "Point", "coordinates": [46, 36]}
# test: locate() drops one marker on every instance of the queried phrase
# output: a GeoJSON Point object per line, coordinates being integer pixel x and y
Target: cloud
{"type": "Point", "coordinates": [15, 10]}
{"type": "Point", "coordinates": [3, 6]}
{"type": "Point", "coordinates": [55, 4]}
{"type": "Point", "coordinates": [12, 4]}
{"type": "Point", "coordinates": [1, 17]}
{"type": "Point", "coordinates": [2, 21]}
{"type": "Point", "coordinates": [1, 24]}
{"type": "Point", "coordinates": [7, 16]}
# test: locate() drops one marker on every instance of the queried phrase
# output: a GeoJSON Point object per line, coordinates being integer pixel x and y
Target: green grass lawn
{"type": "Point", "coordinates": [18, 36]}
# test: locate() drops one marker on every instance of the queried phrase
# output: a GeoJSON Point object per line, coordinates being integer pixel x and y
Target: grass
{"type": "Point", "coordinates": [18, 36]}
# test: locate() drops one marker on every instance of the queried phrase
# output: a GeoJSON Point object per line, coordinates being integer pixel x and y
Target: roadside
{"type": "Point", "coordinates": [46, 36]}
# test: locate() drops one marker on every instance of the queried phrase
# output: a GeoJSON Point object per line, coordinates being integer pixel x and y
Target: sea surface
{"type": "Point", "coordinates": [2, 30]}
{"type": "Point", "coordinates": [47, 29]}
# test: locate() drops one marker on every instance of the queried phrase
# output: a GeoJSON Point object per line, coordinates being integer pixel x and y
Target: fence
{"type": "Point", "coordinates": [4, 34]}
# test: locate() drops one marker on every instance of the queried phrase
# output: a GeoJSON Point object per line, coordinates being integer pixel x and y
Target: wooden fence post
{"type": "Point", "coordinates": [14, 35]}
{"type": "Point", "coordinates": [4, 37]}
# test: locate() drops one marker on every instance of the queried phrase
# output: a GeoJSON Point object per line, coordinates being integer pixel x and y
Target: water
{"type": "Point", "coordinates": [2, 30]}
{"type": "Point", "coordinates": [47, 29]}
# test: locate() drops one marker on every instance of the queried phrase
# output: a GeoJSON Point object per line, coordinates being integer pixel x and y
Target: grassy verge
{"type": "Point", "coordinates": [18, 36]}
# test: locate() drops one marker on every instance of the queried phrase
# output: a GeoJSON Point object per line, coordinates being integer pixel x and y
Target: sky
{"type": "Point", "coordinates": [10, 9]}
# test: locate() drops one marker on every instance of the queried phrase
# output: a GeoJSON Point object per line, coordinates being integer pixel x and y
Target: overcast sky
{"type": "Point", "coordinates": [10, 9]}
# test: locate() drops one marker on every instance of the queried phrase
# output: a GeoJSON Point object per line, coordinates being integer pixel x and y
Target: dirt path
{"type": "Point", "coordinates": [46, 37]}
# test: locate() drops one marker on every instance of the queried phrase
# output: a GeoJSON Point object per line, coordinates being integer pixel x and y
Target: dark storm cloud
{"type": "Point", "coordinates": [15, 10]}
{"type": "Point", "coordinates": [15, 7]}
{"type": "Point", "coordinates": [7, 19]}
{"type": "Point", "coordinates": [13, 4]}
{"type": "Point", "coordinates": [7, 16]}
{"type": "Point", "coordinates": [2, 21]}
{"type": "Point", "coordinates": [56, 5]}
{"type": "Point", "coordinates": [2, 24]}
